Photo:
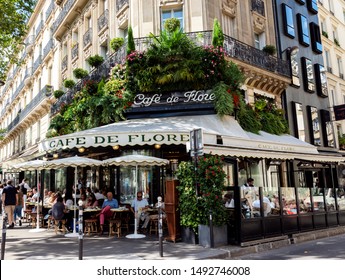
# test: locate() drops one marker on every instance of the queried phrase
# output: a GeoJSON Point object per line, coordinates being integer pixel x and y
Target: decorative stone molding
{"type": "Point", "coordinates": [122, 18]}
{"type": "Point", "coordinates": [229, 8]}
{"type": "Point", "coordinates": [259, 23]}
{"type": "Point", "coordinates": [103, 37]}
{"type": "Point", "coordinates": [171, 2]}
{"type": "Point", "coordinates": [87, 51]}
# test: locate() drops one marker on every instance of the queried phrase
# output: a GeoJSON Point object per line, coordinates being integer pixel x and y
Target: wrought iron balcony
{"type": "Point", "coordinates": [258, 6]}
{"type": "Point", "coordinates": [45, 92]}
{"type": "Point", "coordinates": [102, 21]}
{"type": "Point", "coordinates": [66, 8]}
{"type": "Point", "coordinates": [232, 48]}
{"type": "Point", "coordinates": [75, 52]}
{"type": "Point", "coordinates": [29, 42]}
{"type": "Point", "coordinates": [28, 75]}
{"type": "Point", "coordinates": [39, 28]}
{"type": "Point", "coordinates": [37, 63]}
{"type": "Point", "coordinates": [50, 9]}
{"type": "Point", "coordinates": [87, 38]}
{"type": "Point", "coordinates": [18, 90]}
{"type": "Point", "coordinates": [64, 63]}
{"type": "Point", "coordinates": [48, 47]}
{"type": "Point", "coordinates": [120, 4]}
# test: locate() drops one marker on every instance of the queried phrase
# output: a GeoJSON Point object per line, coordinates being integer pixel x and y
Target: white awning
{"type": "Point", "coordinates": [220, 136]}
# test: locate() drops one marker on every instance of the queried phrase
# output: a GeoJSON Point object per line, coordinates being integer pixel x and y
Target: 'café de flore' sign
{"type": "Point", "coordinates": [111, 139]}
{"type": "Point", "coordinates": [173, 98]}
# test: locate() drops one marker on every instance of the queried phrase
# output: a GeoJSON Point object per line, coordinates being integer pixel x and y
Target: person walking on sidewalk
{"type": "Point", "coordinates": [19, 207]}
{"type": "Point", "coordinates": [9, 200]}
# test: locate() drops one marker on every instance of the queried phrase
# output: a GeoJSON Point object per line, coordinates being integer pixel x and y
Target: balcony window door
{"type": "Point", "coordinates": [173, 13]}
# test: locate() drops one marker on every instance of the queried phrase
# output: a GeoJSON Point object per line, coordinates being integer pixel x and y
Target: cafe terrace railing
{"type": "Point", "coordinates": [232, 48]}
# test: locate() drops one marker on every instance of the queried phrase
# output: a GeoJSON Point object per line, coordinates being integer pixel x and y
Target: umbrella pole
{"type": "Point", "coordinates": [135, 234]}
{"type": "Point", "coordinates": [74, 233]}
{"type": "Point", "coordinates": [38, 229]}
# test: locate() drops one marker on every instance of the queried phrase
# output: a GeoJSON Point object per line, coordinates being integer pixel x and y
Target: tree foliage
{"type": "Point", "coordinates": [13, 28]}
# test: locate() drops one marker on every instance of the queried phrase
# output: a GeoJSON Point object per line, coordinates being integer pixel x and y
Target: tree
{"type": "Point", "coordinates": [13, 28]}
{"type": "Point", "coordinates": [130, 42]}
{"type": "Point", "coordinates": [217, 34]}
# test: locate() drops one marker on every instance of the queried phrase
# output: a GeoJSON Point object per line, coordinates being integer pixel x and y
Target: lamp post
{"type": "Point", "coordinates": [4, 218]}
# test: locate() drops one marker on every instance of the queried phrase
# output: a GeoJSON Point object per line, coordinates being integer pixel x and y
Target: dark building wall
{"type": "Point", "coordinates": [293, 93]}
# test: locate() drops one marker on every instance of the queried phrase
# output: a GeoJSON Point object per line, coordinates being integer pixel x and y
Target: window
{"type": "Point", "coordinates": [331, 7]}
{"type": "Point", "coordinates": [289, 28]}
{"type": "Point", "coordinates": [294, 67]}
{"type": "Point", "coordinates": [308, 75]}
{"type": "Point", "coordinates": [328, 62]}
{"type": "Point", "coordinates": [315, 37]}
{"type": "Point", "coordinates": [303, 32]}
{"type": "Point", "coordinates": [312, 6]}
{"type": "Point", "coordinates": [174, 13]}
{"type": "Point", "coordinates": [321, 80]}
{"type": "Point", "coordinates": [259, 40]}
{"type": "Point", "coordinates": [327, 128]}
{"type": "Point", "coordinates": [314, 126]}
{"type": "Point", "coordinates": [299, 121]}
{"type": "Point", "coordinates": [340, 67]}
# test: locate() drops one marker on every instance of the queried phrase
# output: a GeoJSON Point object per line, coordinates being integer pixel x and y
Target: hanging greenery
{"type": "Point", "coordinates": [210, 176]}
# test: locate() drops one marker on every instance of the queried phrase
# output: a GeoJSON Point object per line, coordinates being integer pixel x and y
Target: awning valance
{"type": "Point", "coordinates": [220, 136]}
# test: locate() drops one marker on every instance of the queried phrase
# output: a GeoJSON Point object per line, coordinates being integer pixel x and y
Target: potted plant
{"type": "Point", "coordinates": [269, 49]}
{"type": "Point", "coordinates": [95, 60]}
{"type": "Point", "coordinates": [58, 93]}
{"type": "Point", "coordinates": [80, 73]}
{"type": "Point", "coordinates": [116, 43]}
{"type": "Point", "coordinates": [195, 205]}
{"type": "Point", "coordinates": [188, 208]}
{"type": "Point", "coordinates": [69, 83]}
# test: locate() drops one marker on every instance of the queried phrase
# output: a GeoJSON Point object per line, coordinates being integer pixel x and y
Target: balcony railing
{"type": "Point", "coordinates": [50, 9]}
{"type": "Point", "coordinates": [120, 4]}
{"type": "Point", "coordinates": [45, 92]}
{"type": "Point", "coordinates": [64, 63]}
{"type": "Point", "coordinates": [62, 14]}
{"type": "Point", "coordinates": [103, 20]}
{"type": "Point", "coordinates": [232, 48]}
{"type": "Point", "coordinates": [39, 28]}
{"type": "Point", "coordinates": [258, 6]}
{"type": "Point", "coordinates": [75, 52]}
{"type": "Point", "coordinates": [37, 63]}
{"type": "Point", "coordinates": [28, 73]}
{"type": "Point", "coordinates": [18, 90]}
{"type": "Point", "coordinates": [49, 46]}
{"type": "Point", "coordinates": [87, 38]}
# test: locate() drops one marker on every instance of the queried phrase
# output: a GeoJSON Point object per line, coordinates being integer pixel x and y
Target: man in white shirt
{"type": "Point", "coordinates": [24, 186]}
{"type": "Point", "coordinates": [139, 205]}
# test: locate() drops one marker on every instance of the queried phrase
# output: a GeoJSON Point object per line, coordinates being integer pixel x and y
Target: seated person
{"type": "Point", "coordinates": [139, 205]}
{"type": "Point", "coordinates": [229, 201]}
{"type": "Point", "coordinates": [106, 213]}
{"type": "Point", "coordinates": [267, 205]}
{"type": "Point", "coordinates": [92, 202]}
{"type": "Point", "coordinates": [147, 217]}
{"type": "Point", "coordinates": [58, 209]}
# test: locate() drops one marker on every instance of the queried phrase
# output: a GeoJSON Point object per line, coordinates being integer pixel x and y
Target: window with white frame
{"type": "Point", "coordinates": [259, 40]}
{"type": "Point", "coordinates": [340, 67]}
{"type": "Point", "coordinates": [172, 13]}
{"type": "Point", "coordinates": [331, 6]}
{"type": "Point", "coordinates": [328, 61]}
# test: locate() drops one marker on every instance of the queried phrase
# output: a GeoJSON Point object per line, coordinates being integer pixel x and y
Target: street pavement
{"type": "Point", "coordinates": [23, 244]}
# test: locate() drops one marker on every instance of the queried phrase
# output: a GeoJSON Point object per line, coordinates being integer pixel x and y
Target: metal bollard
{"type": "Point", "coordinates": [3, 238]}
{"type": "Point", "coordinates": [160, 226]}
{"type": "Point", "coordinates": [211, 231]}
{"type": "Point", "coordinates": [80, 227]}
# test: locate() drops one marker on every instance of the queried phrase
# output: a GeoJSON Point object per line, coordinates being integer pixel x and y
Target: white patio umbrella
{"type": "Point", "coordinates": [136, 160]}
{"type": "Point", "coordinates": [73, 162]}
{"type": "Point", "coordinates": [33, 165]}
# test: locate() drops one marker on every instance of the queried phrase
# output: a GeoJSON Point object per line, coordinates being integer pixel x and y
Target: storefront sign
{"type": "Point", "coordinates": [114, 139]}
{"type": "Point", "coordinates": [160, 99]}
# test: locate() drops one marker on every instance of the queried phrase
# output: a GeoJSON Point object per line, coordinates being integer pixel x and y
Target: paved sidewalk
{"type": "Point", "coordinates": [21, 244]}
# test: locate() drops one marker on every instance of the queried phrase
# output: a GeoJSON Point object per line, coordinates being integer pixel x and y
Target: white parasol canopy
{"type": "Point", "coordinates": [73, 162]}
{"type": "Point", "coordinates": [33, 165]}
{"type": "Point", "coordinates": [136, 160]}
